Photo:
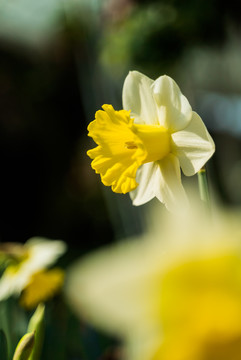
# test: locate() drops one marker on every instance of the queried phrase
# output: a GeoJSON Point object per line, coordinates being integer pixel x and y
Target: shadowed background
{"type": "Point", "coordinates": [59, 62]}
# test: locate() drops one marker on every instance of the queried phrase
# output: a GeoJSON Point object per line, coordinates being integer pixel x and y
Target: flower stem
{"type": "Point", "coordinates": [203, 187]}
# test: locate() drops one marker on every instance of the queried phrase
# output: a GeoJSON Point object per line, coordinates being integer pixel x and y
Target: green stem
{"type": "Point", "coordinates": [203, 187]}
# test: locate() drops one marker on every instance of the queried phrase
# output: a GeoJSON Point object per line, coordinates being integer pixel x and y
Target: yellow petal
{"type": "Point", "coordinates": [42, 286]}
{"type": "Point", "coordinates": [203, 314]}
{"type": "Point", "coordinates": [114, 159]}
{"type": "Point", "coordinates": [123, 147]}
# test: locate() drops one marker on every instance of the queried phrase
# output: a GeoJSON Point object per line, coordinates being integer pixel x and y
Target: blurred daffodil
{"type": "Point", "coordinates": [141, 148]}
{"type": "Point", "coordinates": [25, 270]}
{"type": "Point", "coordinates": [165, 299]}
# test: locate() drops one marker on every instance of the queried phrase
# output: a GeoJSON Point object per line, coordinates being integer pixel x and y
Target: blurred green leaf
{"type": "Point", "coordinates": [3, 346]}
{"type": "Point", "coordinates": [24, 347]}
{"type": "Point", "coordinates": [37, 325]}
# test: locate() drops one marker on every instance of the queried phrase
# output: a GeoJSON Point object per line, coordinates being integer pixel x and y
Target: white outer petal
{"type": "Point", "coordinates": [170, 190]}
{"type": "Point", "coordinates": [161, 179]}
{"type": "Point", "coordinates": [138, 97]}
{"type": "Point", "coordinates": [193, 146]}
{"type": "Point", "coordinates": [147, 179]}
{"type": "Point", "coordinates": [174, 110]}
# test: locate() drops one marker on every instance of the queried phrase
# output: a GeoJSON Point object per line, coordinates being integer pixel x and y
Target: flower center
{"type": "Point", "coordinates": [156, 141]}
{"type": "Point", "coordinates": [130, 145]}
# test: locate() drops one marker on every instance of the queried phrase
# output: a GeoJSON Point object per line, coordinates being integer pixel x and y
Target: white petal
{"type": "Point", "coordinates": [175, 111]}
{"type": "Point", "coordinates": [106, 287]}
{"type": "Point", "coordinates": [193, 146]}
{"type": "Point", "coordinates": [138, 97]}
{"type": "Point", "coordinates": [170, 190]}
{"type": "Point", "coordinates": [147, 180]}
{"type": "Point", "coordinates": [9, 285]}
{"type": "Point", "coordinates": [43, 252]}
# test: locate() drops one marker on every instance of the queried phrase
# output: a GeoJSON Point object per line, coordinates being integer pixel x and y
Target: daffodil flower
{"type": "Point", "coordinates": [178, 299]}
{"type": "Point", "coordinates": [142, 148]}
{"type": "Point", "coordinates": [25, 264]}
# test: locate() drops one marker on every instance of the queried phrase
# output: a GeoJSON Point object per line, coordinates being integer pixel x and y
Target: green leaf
{"type": "Point", "coordinates": [3, 346]}
{"type": "Point", "coordinates": [24, 347]}
{"type": "Point", "coordinates": [37, 325]}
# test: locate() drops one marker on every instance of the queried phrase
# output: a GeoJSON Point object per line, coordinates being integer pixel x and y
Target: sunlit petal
{"type": "Point", "coordinates": [148, 181]}
{"type": "Point", "coordinates": [193, 146]}
{"type": "Point", "coordinates": [138, 97]}
{"type": "Point", "coordinates": [170, 190]}
{"type": "Point", "coordinates": [174, 110]}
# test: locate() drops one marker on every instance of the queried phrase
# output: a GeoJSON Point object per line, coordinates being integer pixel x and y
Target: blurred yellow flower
{"type": "Point", "coordinates": [166, 300]}
{"type": "Point", "coordinates": [141, 149]}
{"type": "Point", "coordinates": [24, 263]}
{"type": "Point", "coordinates": [41, 287]}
